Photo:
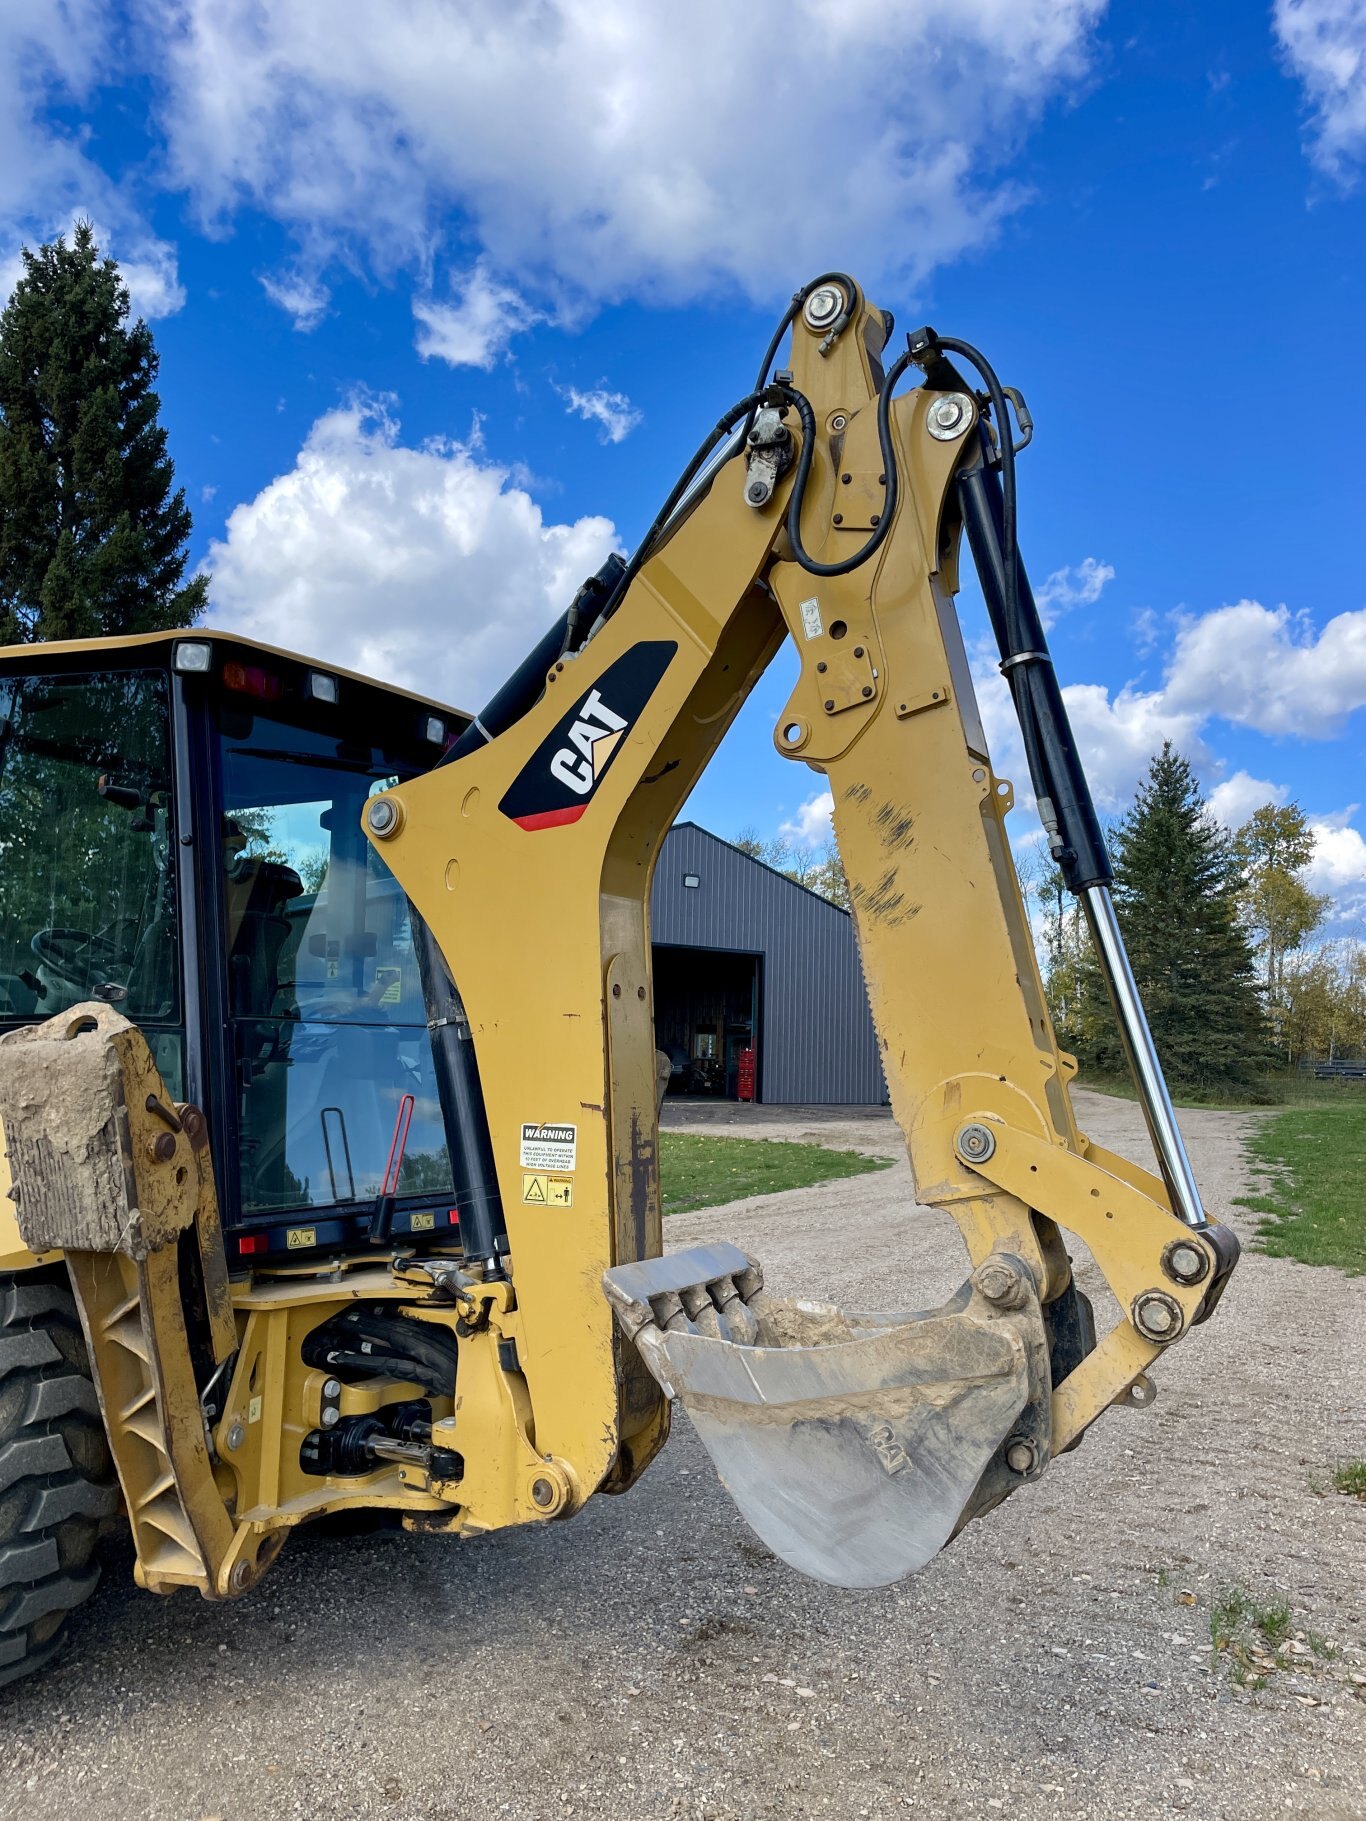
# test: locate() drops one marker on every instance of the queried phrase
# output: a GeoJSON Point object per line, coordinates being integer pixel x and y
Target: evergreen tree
{"type": "Point", "coordinates": [1177, 881]}
{"type": "Point", "coordinates": [92, 537]}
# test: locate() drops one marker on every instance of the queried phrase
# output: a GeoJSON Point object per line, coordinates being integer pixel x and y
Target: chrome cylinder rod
{"type": "Point", "coordinates": [1143, 1064]}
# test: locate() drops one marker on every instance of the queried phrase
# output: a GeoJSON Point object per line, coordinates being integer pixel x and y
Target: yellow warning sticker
{"type": "Point", "coordinates": [422, 1223]}
{"type": "Point", "coordinates": [298, 1237]}
{"type": "Point", "coordinates": [542, 1191]}
{"type": "Point", "coordinates": [254, 1410]}
{"type": "Point", "coordinates": [390, 980]}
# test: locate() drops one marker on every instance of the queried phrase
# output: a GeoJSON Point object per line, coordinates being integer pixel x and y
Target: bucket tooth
{"type": "Point", "coordinates": [852, 1444]}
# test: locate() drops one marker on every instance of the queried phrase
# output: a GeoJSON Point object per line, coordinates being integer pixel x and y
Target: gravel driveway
{"type": "Point", "coordinates": [651, 1659]}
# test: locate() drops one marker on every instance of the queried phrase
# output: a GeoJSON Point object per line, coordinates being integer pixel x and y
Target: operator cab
{"type": "Point", "coordinates": [180, 837]}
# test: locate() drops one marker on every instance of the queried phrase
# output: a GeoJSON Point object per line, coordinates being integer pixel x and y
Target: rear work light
{"type": "Point", "coordinates": [192, 657]}
{"type": "Point", "coordinates": [320, 687]}
{"type": "Point", "coordinates": [251, 680]}
{"type": "Point", "coordinates": [434, 730]}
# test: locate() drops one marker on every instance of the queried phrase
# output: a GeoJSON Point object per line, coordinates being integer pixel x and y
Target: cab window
{"type": "Point", "coordinates": [333, 1056]}
{"type": "Point", "coordinates": [87, 877]}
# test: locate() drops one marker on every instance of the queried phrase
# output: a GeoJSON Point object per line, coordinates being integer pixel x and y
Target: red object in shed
{"type": "Point", "coordinates": [744, 1075]}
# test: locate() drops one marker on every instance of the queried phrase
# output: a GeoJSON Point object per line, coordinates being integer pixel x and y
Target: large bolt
{"type": "Point", "coordinates": [1022, 1454]}
{"type": "Point", "coordinates": [240, 1578]}
{"type": "Point", "coordinates": [757, 493]}
{"type": "Point", "coordinates": [234, 1438]}
{"type": "Point", "coordinates": [823, 306]}
{"type": "Point", "coordinates": [1185, 1262]}
{"type": "Point", "coordinates": [975, 1143]}
{"type": "Point", "coordinates": [161, 1149]}
{"type": "Point", "coordinates": [948, 416]}
{"type": "Point", "coordinates": [331, 1389]}
{"type": "Point", "coordinates": [382, 817]}
{"type": "Point", "coordinates": [1156, 1315]}
{"type": "Point", "coordinates": [1000, 1283]}
{"type": "Point", "coordinates": [330, 1417]}
{"type": "Point", "coordinates": [543, 1493]}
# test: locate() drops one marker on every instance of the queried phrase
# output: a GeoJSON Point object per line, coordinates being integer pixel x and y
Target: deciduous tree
{"type": "Point", "coordinates": [1274, 847]}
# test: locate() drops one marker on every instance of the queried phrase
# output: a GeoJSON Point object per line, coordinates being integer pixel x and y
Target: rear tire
{"type": "Point", "coordinates": [57, 1482]}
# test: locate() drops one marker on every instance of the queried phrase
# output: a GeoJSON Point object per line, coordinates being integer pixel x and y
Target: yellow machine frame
{"type": "Point", "coordinates": [546, 931]}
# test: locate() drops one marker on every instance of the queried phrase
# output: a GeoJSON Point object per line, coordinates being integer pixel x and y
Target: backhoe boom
{"type": "Point", "coordinates": [496, 1345]}
{"type": "Point", "coordinates": [836, 522]}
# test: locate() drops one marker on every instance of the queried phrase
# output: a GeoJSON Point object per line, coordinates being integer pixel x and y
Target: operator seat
{"type": "Point", "coordinates": [258, 892]}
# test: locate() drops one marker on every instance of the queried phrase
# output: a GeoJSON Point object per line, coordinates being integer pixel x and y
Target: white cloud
{"type": "Point", "coordinates": [1257, 667]}
{"type": "Point", "coordinates": [300, 294]}
{"type": "Point", "coordinates": [148, 268]}
{"type": "Point", "coordinates": [1266, 668]}
{"type": "Point", "coordinates": [1233, 800]}
{"type": "Point", "coordinates": [596, 145]}
{"type": "Point", "coordinates": [55, 53]}
{"type": "Point", "coordinates": [612, 411]}
{"type": "Point", "coordinates": [421, 565]}
{"type": "Point", "coordinates": [812, 825]}
{"type": "Point", "coordinates": [1116, 734]}
{"type": "Point", "coordinates": [47, 53]}
{"type": "Point", "coordinates": [1323, 43]}
{"type": "Point", "coordinates": [1068, 587]}
{"type": "Point", "coordinates": [1339, 867]}
{"type": "Point", "coordinates": [476, 330]}
{"type": "Point", "coordinates": [146, 265]}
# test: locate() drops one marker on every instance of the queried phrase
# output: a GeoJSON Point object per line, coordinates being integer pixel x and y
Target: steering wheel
{"type": "Point", "coordinates": [78, 958]}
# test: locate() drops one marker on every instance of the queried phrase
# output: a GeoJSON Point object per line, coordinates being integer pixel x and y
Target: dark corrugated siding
{"type": "Point", "coordinates": [816, 1034]}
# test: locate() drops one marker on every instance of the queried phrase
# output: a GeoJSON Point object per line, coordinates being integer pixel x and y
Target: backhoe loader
{"type": "Point", "coordinates": [328, 1076]}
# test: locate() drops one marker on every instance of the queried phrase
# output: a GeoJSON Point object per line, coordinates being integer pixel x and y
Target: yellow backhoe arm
{"type": "Point", "coordinates": [503, 1375]}
{"type": "Point", "coordinates": [855, 1444]}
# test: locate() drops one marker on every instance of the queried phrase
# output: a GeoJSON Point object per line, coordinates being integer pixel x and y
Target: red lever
{"type": "Point", "coordinates": [399, 1144]}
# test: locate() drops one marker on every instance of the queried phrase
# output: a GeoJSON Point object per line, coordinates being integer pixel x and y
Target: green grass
{"type": "Point", "coordinates": [1266, 1091]}
{"type": "Point", "coordinates": [1350, 1478]}
{"type": "Point", "coordinates": [1312, 1200]}
{"type": "Point", "coordinates": [701, 1172]}
{"type": "Point", "coordinates": [1255, 1639]}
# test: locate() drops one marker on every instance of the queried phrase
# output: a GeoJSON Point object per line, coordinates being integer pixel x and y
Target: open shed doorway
{"type": "Point", "coordinates": [706, 1013]}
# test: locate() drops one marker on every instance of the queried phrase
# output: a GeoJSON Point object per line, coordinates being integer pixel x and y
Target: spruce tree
{"type": "Point", "coordinates": [92, 535]}
{"type": "Point", "coordinates": [1177, 880]}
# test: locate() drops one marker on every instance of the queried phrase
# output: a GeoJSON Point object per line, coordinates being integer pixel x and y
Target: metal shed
{"type": "Point", "coordinates": [744, 957]}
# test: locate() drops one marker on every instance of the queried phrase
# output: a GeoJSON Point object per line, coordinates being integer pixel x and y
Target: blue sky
{"type": "Point", "coordinates": [447, 291]}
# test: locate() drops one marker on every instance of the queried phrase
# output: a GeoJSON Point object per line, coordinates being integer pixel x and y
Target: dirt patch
{"type": "Point", "coordinates": [651, 1659]}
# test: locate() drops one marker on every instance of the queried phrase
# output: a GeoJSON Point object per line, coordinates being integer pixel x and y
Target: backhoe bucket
{"type": "Point", "coordinates": [855, 1445]}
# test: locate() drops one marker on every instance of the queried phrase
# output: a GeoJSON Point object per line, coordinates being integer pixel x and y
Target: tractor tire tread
{"type": "Point", "coordinates": [56, 1479]}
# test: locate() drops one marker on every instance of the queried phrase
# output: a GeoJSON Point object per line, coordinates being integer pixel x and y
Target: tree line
{"type": "Point", "coordinates": [94, 540]}
{"type": "Point", "coordinates": [1218, 925]}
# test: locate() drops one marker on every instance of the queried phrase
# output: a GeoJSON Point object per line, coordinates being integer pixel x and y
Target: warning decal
{"type": "Point", "coordinates": [548, 1147]}
{"type": "Point", "coordinates": [540, 1190]}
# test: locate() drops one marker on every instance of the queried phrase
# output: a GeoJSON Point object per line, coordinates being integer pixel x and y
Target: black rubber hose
{"type": "Point", "coordinates": [802, 406]}
{"type": "Point", "coordinates": [645, 548]}
{"type": "Point", "coordinates": [1009, 514]}
{"type": "Point", "coordinates": [790, 316]}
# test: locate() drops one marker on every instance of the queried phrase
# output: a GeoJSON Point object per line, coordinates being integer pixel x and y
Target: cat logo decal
{"type": "Point", "coordinates": [558, 782]}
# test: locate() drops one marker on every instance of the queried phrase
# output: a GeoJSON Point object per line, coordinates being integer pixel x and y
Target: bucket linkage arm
{"type": "Point", "coordinates": [857, 1445]}
{"type": "Point", "coordinates": [830, 508]}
